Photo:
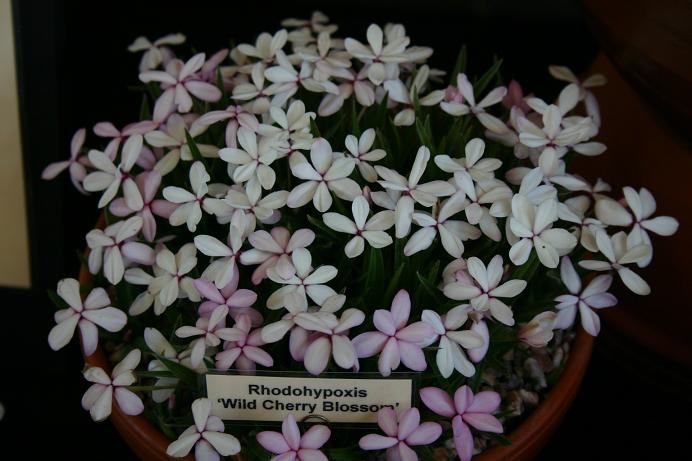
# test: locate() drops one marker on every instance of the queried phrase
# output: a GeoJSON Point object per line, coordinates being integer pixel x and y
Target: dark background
{"type": "Point", "coordinates": [74, 70]}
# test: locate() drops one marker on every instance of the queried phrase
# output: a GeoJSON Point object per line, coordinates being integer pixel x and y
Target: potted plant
{"type": "Point", "coordinates": [306, 205]}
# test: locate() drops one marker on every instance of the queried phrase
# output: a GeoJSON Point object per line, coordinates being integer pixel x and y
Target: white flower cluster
{"type": "Point", "coordinates": [233, 168]}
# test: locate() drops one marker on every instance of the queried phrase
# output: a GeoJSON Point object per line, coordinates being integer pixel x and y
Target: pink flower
{"type": "Point", "coordinates": [273, 249]}
{"type": "Point", "coordinates": [244, 351]}
{"type": "Point", "coordinates": [395, 342]}
{"type": "Point", "coordinates": [148, 184]}
{"type": "Point", "coordinates": [98, 399]}
{"type": "Point", "coordinates": [466, 409]}
{"type": "Point", "coordinates": [108, 130]}
{"type": "Point", "coordinates": [401, 435]}
{"type": "Point", "coordinates": [75, 164]}
{"type": "Point", "coordinates": [179, 80]}
{"type": "Point", "coordinates": [515, 97]}
{"type": "Point", "coordinates": [288, 444]}
{"type": "Point", "coordinates": [238, 301]}
{"type": "Point", "coordinates": [236, 116]}
{"type": "Point", "coordinates": [95, 310]}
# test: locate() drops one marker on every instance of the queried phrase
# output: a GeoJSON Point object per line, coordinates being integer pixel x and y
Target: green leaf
{"type": "Point", "coordinates": [318, 223]}
{"type": "Point", "coordinates": [57, 300]}
{"type": "Point", "coordinates": [194, 150]}
{"type": "Point", "coordinates": [375, 271]}
{"type": "Point", "coordinates": [485, 80]}
{"type": "Point", "coordinates": [392, 286]}
{"type": "Point", "coordinates": [342, 454]}
{"type": "Point", "coordinates": [429, 287]}
{"type": "Point", "coordinates": [459, 66]}
{"type": "Point", "coordinates": [315, 129]}
{"type": "Point", "coordinates": [424, 131]}
{"type": "Point", "coordinates": [144, 110]}
{"type": "Point", "coordinates": [181, 372]}
{"type": "Point", "coordinates": [498, 438]}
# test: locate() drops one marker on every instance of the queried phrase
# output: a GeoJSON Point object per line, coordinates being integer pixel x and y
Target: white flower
{"type": "Point", "coordinates": [472, 165]}
{"type": "Point", "coordinates": [450, 355]}
{"type": "Point", "coordinates": [75, 164]}
{"type": "Point", "coordinates": [483, 291]}
{"type": "Point", "coordinates": [236, 116]}
{"type": "Point", "coordinates": [206, 436]}
{"type": "Point", "coordinates": [332, 339]}
{"type": "Point", "coordinates": [375, 55]}
{"type": "Point", "coordinates": [221, 270]}
{"type": "Point", "coordinates": [539, 330]}
{"type": "Point", "coordinates": [410, 191]}
{"type": "Point", "coordinates": [553, 170]}
{"type": "Point", "coordinates": [98, 399]}
{"type": "Point", "coordinates": [254, 91]}
{"type": "Point", "coordinates": [211, 330]}
{"type": "Point", "coordinates": [294, 125]}
{"type": "Point", "coordinates": [452, 232]}
{"type": "Point", "coordinates": [170, 280]}
{"type": "Point", "coordinates": [643, 206]}
{"type": "Point", "coordinates": [255, 207]}
{"type": "Point", "coordinates": [305, 282]}
{"type": "Point", "coordinates": [361, 227]}
{"type": "Point", "coordinates": [251, 163]}
{"type": "Point", "coordinates": [398, 92]}
{"type": "Point", "coordinates": [324, 57]}
{"type": "Point", "coordinates": [467, 104]}
{"type": "Point", "coordinates": [594, 296]}
{"type": "Point", "coordinates": [322, 174]}
{"type": "Point", "coordinates": [108, 177]}
{"type": "Point", "coordinates": [574, 210]}
{"type": "Point", "coordinates": [565, 74]}
{"type": "Point", "coordinates": [620, 251]}
{"type": "Point", "coordinates": [355, 84]}
{"type": "Point", "coordinates": [179, 80]}
{"type": "Point", "coordinates": [190, 203]}
{"type": "Point", "coordinates": [359, 148]}
{"type": "Point", "coordinates": [160, 346]}
{"type": "Point", "coordinates": [552, 133]}
{"type": "Point", "coordinates": [172, 136]}
{"type": "Point", "coordinates": [266, 46]}
{"type": "Point", "coordinates": [479, 195]}
{"type": "Point", "coordinates": [533, 226]}
{"type": "Point", "coordinates": [155, 53]}
{"type": "Point", "coordinates": [94, 311]}
{"type": "Point", "coordinates": [273, 249]}
{"type": "Point", "coordinates": [108, 247]}
{"type": "Point", "coordinates": [286, 80]}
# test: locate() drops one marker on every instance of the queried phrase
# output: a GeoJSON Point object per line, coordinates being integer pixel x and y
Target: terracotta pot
{"type": "Point", "coordinates": [150, 444]}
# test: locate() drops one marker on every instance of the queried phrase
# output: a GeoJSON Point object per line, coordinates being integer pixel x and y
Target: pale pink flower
{"type": "Point", "coordinates": [180, 79]}
{"type": "Point", "coordinates": [235, 116]}
{"type": "Point", "coordinates": [619, 252]}
{"type": "Point", "coordinates": [360, 150]}
{"type": "Point", "coordinates": [244, 351]}
{"type": "Point", "coordinates": [108, 177]}
{"type": "Point", "coordinates": [94, 311]}
{"type": "Point", "coordinates": [108, 130]}
{"type": "Point", "coordinates": [484, 289]}
{"type": "Point", "coordinates": [404, 94]}
{"type": "Point", "coordinates": [473, 165]}
{"type": "Point", "coordinates": [221, 271]}
{"type": "Point", "coordinates": [465, 410]}
{"type": "Point", "coordinates": [357, 84]}
{"type": "Point", "coordinates": [172, 137]}
{"type": "Point", "coordinates": [266, 46]}
{"type": "Point", "coordinates": [75, 164]}
{"type": "Point", "coordinates": [274, 249]}
{"type": "Point", "coordinates": [401, 433]}
{"type": "Point", "coordinates": [190, 204]}
{"type": "Point", "coordinates": [331, 339]}
{"type": "Point", "coordinates": [305, 282]}
{"type": "Point", "coordinates": [409, 190]}
{"type": "Point", "coordinates": [477, 354]}
{"type": "Point", "coordinates": [594, 296]}
{"type": "Point", "coordinates": [539, 330]}
{"type": "Point", "coordinates": [113, 246]}
{"type": "Point", "coordinates": [565, 74]}
{"type": "Point", "coordinates": [253, 207]}
{"type": "Point", "coordinates": [450, 355]}
{"type": "Point", "coordinates": [206, 436]}
{"type": "Point", "coordinates": [253, 161]}
{"type": "Point", "coordinates": [289, 445]}
{"type": "Point", "coordinates": [395, 341]}
{"type": "Point", "coordinates": [515, 97]}
{"type": "Point", "coordinates": [210, 331]}
{"type": "Point", "coordinates": [376, 54]}
{"type": "Point", "coordinates": [239, 301]}
{"type": "Point", "coordinates": [287, 81]}
{"type": "Point", "coordinates": [642, 205]}
{"type": "Point", "coordinates": [98, 399]}
{"type": "Point", "coordinates": [148, 184]}
{"type": "Point", "coordinates": [322, 174]}
{"type": "Point", "coordinates": [463, 102]}
{"type": "Point", "coordinates": [157, 52]}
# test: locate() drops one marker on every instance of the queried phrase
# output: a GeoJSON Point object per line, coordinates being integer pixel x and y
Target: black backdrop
{"type": "Point", "coordinates": [74, 70]}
